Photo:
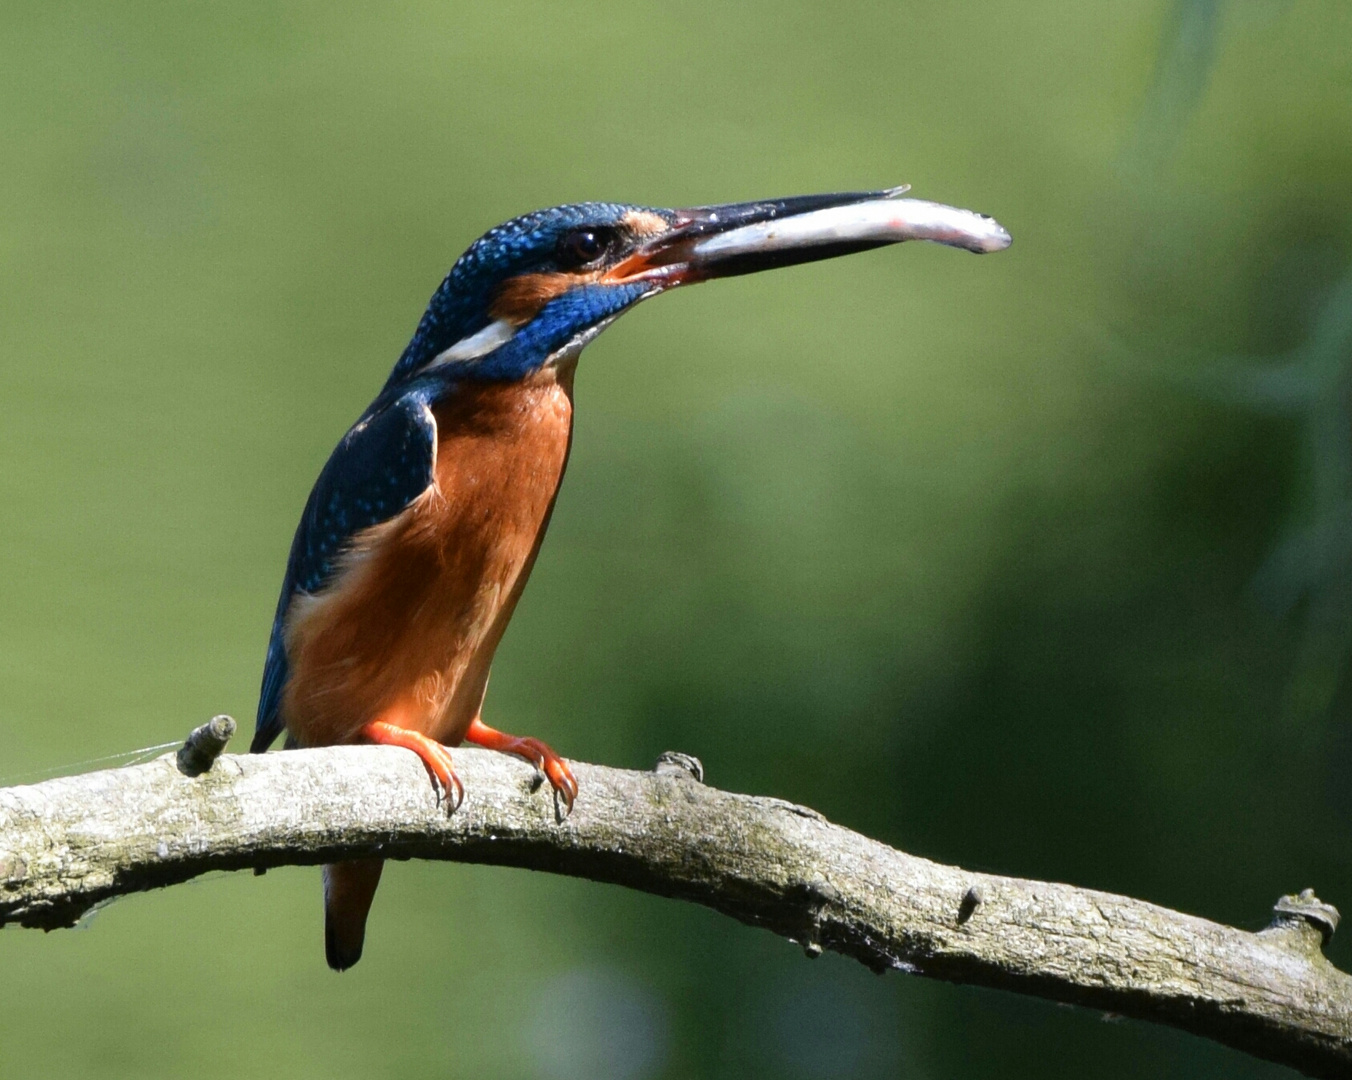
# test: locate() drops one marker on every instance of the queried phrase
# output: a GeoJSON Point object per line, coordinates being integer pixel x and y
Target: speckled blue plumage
{"type": "Point", "coordinates": [385, 460]}
{"type": "Point", "coordinates": [459, 307]}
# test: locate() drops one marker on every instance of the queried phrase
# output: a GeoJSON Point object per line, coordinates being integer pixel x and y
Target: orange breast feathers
{"type": "Point", "coordinates": [420, 602]}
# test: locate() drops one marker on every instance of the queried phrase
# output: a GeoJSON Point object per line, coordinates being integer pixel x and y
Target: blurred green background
{"type": "Point", "coordinates": [1039, 564]}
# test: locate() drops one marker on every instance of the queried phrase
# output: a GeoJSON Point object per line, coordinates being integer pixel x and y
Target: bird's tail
{"type": "Point", "coordinates": [349, 888]}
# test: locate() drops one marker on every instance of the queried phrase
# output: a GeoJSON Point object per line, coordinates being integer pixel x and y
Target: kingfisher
{"type": "Point", "coordinates": [420, 532]}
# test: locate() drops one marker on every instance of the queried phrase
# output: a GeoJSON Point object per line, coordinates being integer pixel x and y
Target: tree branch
{"type": "Point", "coordinates": [70, 843]}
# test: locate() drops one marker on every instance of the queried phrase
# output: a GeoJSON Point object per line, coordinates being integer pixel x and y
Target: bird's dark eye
{"type": "Point", "coordinates": [582, 246]}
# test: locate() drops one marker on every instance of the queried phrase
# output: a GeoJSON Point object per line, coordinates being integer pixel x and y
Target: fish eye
{"type": "Point", "coordinates": [582, 246]}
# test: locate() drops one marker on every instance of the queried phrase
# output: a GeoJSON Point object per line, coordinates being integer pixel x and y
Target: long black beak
{"type": "Point", "coordinates": [741, 238]}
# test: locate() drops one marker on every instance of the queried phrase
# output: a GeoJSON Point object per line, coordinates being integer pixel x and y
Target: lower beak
{"type": "Point", "coordinates": [742, 238]}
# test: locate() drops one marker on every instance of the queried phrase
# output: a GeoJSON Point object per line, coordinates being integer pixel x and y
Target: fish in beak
{"type": "Point", "coordinates": [707, 242]}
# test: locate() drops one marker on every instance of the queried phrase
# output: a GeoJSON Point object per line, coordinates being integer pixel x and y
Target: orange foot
{"type": "Point", "coordinates": [533, 750]}
{"type": "Point", "coordinates": [435, 756]}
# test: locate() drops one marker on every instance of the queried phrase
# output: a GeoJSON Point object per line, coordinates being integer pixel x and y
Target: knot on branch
{"type": "Point", "coordinates": [674, 763]}
{"type": "Point", "coordinates": [973, 898]}
{"type": "Point", "coordinates": [813, 897]}
{"type": "Point", "coordinates": [1305, 909]}
{"type": "Point", "coordinates": [205, 744]}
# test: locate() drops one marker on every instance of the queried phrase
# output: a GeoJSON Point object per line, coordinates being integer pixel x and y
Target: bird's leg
{"type": "Point", "coordinates": [556, 770]}
{"type": "Point", "coordinates": [435, 756]}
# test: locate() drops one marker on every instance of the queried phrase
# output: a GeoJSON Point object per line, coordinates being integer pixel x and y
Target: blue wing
{"type": "Point", "coordinates": [381, 466]}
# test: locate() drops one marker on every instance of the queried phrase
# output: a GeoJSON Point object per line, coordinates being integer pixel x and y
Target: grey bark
{"type": "Point", "coordinates": [71, 843]}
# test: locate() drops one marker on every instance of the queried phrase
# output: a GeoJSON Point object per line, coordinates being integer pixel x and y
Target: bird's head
{"type": "Point", "coordinates": [535, 290]}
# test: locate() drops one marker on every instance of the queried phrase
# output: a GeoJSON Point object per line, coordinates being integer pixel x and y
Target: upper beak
{"type": "Point", "coordinates": [741, 238]}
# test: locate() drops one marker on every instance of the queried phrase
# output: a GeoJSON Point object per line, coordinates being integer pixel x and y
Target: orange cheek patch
{"type": "Point", "coordinates": [520, 298]}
